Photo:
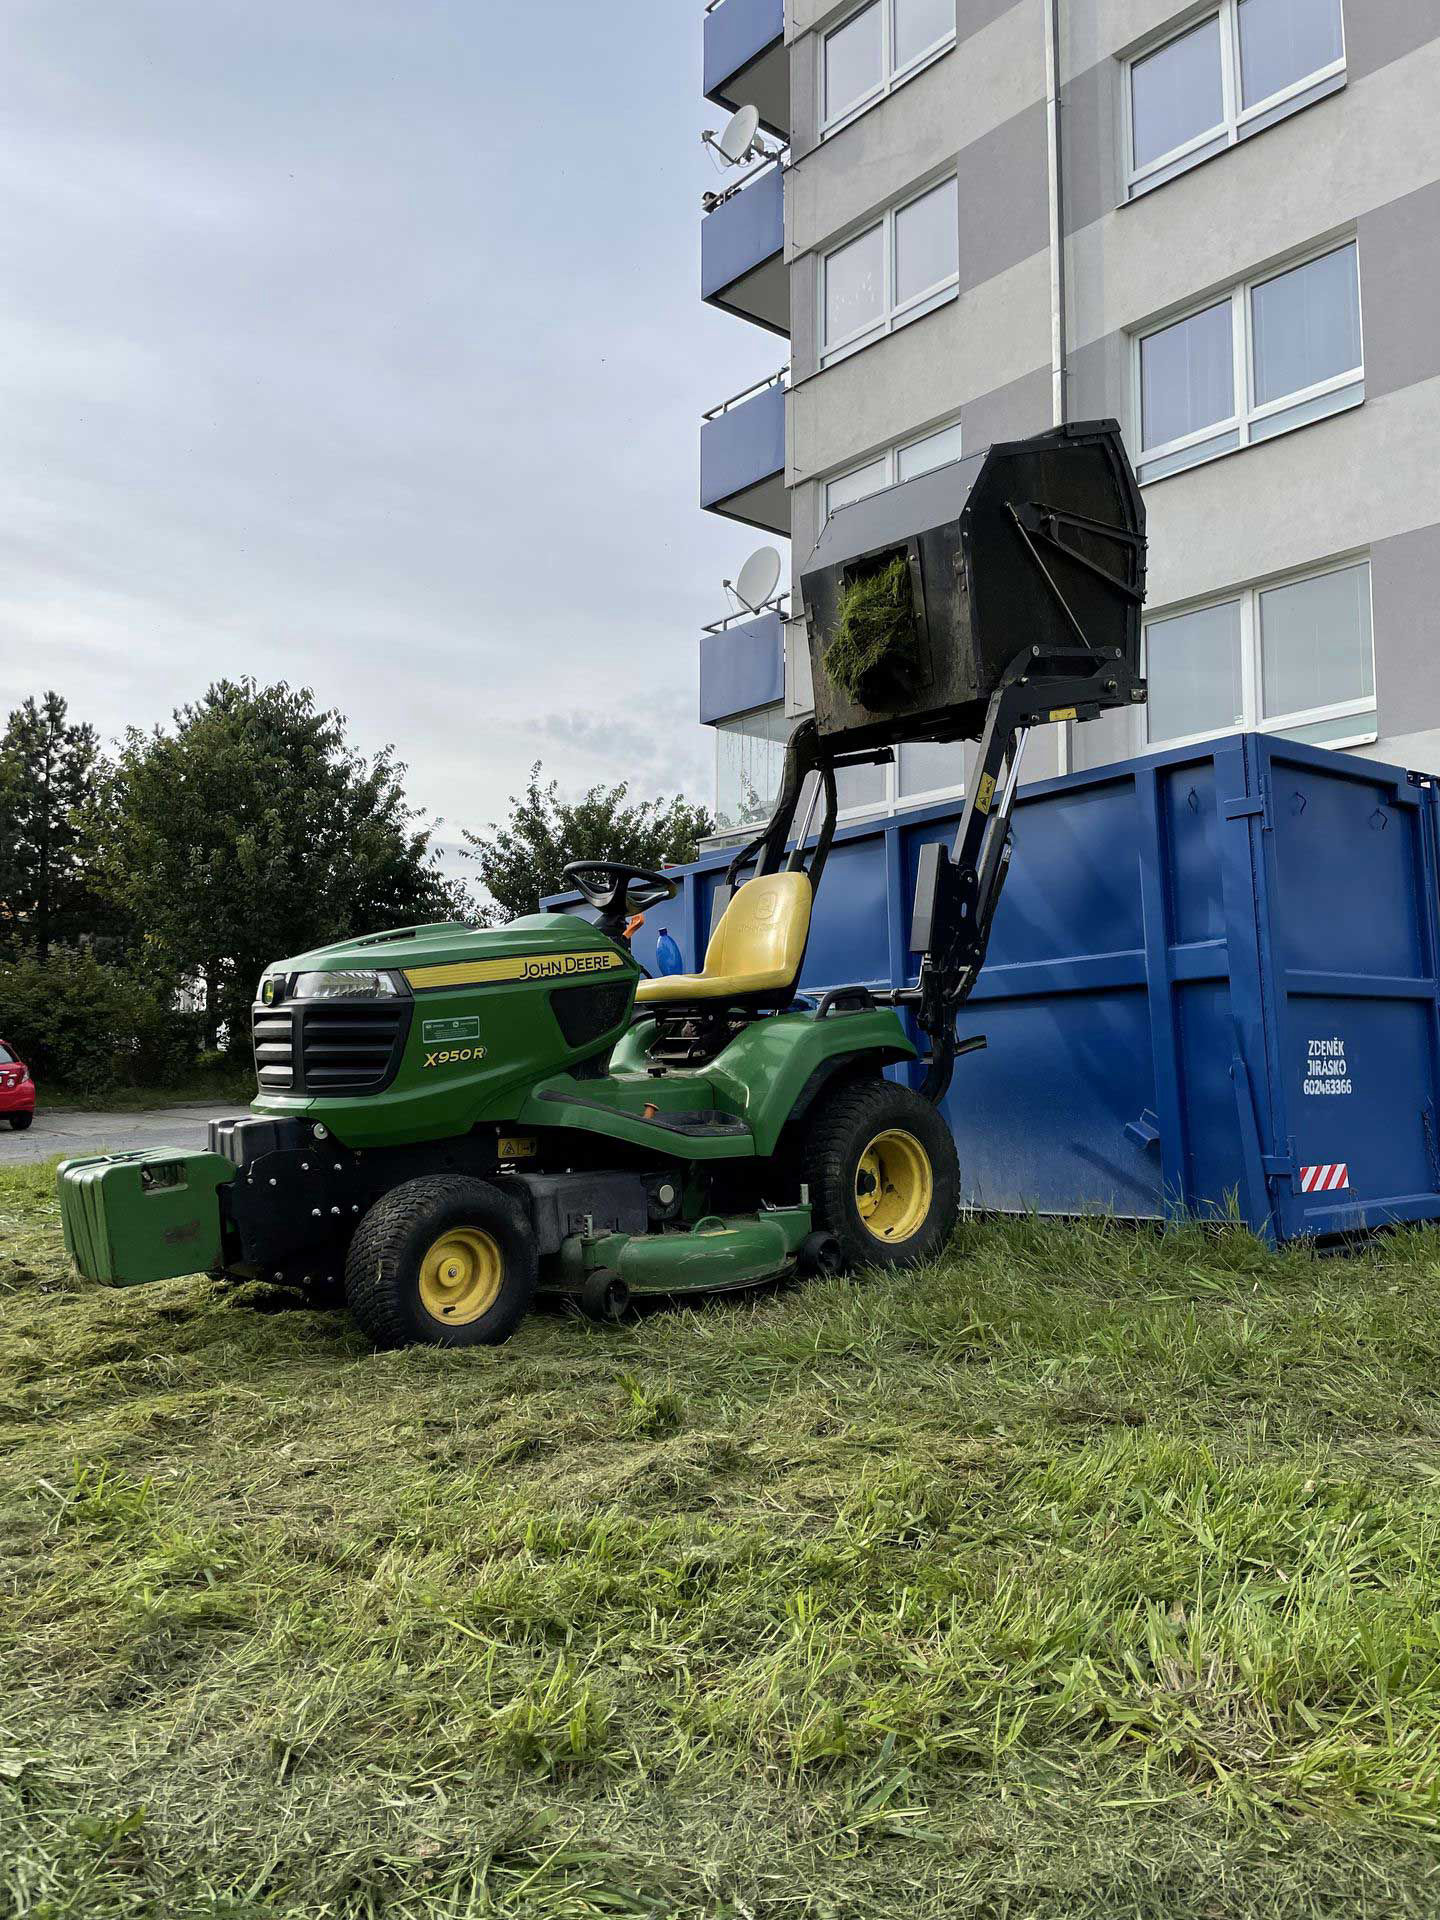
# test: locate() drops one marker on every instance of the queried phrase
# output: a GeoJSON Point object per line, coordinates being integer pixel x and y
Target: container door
{"type": "Point", "coordinates": [1349, 871]}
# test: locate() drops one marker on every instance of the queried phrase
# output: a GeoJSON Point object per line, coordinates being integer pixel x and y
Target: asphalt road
{"type": "Point", "coordinates": [73, 1134]}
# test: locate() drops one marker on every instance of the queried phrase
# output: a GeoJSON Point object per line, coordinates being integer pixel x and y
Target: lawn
{"type": "Point", "coordinates": [1090, 1572]}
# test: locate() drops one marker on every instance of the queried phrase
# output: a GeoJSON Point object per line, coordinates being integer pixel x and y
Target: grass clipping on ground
{"type": "Point", "coordinates": [1087, 1572]}
{"type": "Point", "coordinates": [874, 630]}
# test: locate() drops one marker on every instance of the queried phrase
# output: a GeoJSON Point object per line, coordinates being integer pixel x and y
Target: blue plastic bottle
{"type": "Point", "coordinates": [668, 956]}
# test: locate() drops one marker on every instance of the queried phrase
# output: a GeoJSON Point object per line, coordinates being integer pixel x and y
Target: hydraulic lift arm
{"type": "Point", "coordinates": [957, 890]}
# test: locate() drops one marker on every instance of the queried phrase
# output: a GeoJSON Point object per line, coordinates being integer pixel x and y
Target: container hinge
{"type": "Point", "coordinates": [1278, 1166]}
{"type": "Point", "coordinates": [1246, 807]}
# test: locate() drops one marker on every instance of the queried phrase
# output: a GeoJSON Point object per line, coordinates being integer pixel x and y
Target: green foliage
{"type": "Point", "coordinates": [1088, 1574]}
{"type": "Point", "coordinates": [875, 628]}
{"type": "Point", "coordinates": [252, 830]}
{"type": "Point", "coordinates": [91, 1027]}
{"type": "Point", "coordinates": [48, 775]}
{"type": "Point", "coordinates": [521, 858]}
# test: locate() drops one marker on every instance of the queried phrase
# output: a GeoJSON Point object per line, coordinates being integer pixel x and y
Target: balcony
{"type": "Point", "coordinates": [742, 252]}
{"type": "Point", "coordinates": [742, 458]}
{"type": "Point", "coordinates": [746, 60]}
{"type": "Point", "coordinates": [742, 665]}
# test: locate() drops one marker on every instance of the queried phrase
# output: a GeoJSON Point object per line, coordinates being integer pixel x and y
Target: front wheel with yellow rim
{"type": "Point", "coordinates": [883, 1174]}
{"type": "Point", "coordinates": [445, 1262]}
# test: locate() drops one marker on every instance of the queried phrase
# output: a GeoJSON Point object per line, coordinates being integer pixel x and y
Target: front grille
{"type": "Point", "coordinates": [274, 1049]}
{"type": "Point", "coordinates": [329, 1047]}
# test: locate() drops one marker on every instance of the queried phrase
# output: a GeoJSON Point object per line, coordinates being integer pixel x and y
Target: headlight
{"type": "Point", "coordinates": [363, 984]}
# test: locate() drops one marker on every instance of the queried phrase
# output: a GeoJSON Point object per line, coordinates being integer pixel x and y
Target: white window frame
{"type": "Point", "coordinates": [938, 294]}
{"type": "Point", "coordinates": [1238, 122]}
{"type": "Point", "coordinates": [893, 800]}
{"type": "Point", "coordinates": [1347, 389]}
{"type": "Point", "coordinates": [891, 457]}
{"type": "Point", "coordinates": [891, 76]}
{"type": "Point", "coordinates": [1253, 718]}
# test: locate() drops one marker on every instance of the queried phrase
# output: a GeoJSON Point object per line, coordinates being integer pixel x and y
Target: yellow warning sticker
{"type": "Point", "coordinates": [527, 966]}
{"type": "Point", "coordinates": [985, 793]}
{"type": "Point", "coordinates": [512, 1147]}
{"type": "Point", "coordinates": [1063, 713]}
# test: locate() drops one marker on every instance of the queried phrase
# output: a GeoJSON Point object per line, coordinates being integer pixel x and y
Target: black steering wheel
{"type": "Point", "coordinates": [617, 891]}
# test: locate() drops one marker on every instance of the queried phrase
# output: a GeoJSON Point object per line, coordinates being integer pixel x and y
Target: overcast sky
{"type": "Point", "coordinates": [358, 343]}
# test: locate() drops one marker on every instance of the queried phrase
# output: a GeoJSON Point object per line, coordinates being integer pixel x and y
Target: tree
{"type": "Point", "coordinates": [252, 831]}
{"type": "Point", "coordinates": [48, 775]}
{"type": "Point", "coordinates": [520, 859]}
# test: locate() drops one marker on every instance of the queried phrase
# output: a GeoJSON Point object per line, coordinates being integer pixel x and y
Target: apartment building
{"type": "Point", "coordinates": [1218, 223]}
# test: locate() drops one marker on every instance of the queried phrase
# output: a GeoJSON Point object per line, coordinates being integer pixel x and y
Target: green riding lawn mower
{"type": "Point", "coordinates": [450, 1119]}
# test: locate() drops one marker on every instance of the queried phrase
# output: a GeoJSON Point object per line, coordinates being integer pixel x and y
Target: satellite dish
{"type": "Point", "coordinates": [737, 137]}
{"type": "Point", "coordinates": [758, 580]}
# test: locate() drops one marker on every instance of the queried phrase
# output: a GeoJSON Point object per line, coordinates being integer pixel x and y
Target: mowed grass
{"type": "Point", "coordinates": [1089, 1572]}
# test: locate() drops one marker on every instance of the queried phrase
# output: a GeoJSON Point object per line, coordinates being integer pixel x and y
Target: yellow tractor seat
{"type": "Point", "coordinates": [754, 953]}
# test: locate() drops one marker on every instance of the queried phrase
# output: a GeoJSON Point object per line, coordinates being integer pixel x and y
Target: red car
{"type": "Point", "coordinates": [17, 1089]}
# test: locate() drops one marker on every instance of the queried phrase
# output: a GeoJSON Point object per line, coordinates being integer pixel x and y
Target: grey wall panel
{"type": "Point", "coordinates": [1405, 584]}
{"type": "Point", "coordinates": [1400, 282]}
{"type": "Point", "coordinates": [1098, 379]}
{"type": "Point", "coordinates": [1379, 31]}
{"type": "Point", "coordinates": [804, 97]}
{"type": "Point", "coordinates": [804, 319]}
{"type": "Point", "coordinates": [1091, 114]}
{"type": "Point", "coordinates": [1004, 198]}
{"type": "Point", "coordinates": [1010, 413]}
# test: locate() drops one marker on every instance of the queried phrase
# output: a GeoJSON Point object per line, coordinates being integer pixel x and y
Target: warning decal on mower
{"type": "Point", "coordinates": [1332, 1179]}
{"type": "Point", "coordinates": [527, 966]}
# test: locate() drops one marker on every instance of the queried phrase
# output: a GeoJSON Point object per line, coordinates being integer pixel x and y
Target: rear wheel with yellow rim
{"type": "Point", "coordinates": [882, 1171]}
{"type": "Point", "coordinates": [444, 1261]}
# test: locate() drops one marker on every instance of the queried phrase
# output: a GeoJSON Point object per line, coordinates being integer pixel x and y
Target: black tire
{"type": "Point", "coordinates": [907, 1214]}
{"type": "Point", "coordinates": [20, 1121]}
{"type": "Point", "coordinates": [605, 1297]}
{"type": "Point", "coordinates": [398, 1282]}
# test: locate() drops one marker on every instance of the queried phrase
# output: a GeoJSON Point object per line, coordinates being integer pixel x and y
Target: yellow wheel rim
{"type": "Point", "coordinates": [894, 1186]}
{"type": "Point", "coordinates": [460, 1276]}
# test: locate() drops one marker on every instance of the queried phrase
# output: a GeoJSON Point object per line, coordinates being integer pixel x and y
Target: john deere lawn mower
{"type": "Point", "coordinates": [450, 1118]}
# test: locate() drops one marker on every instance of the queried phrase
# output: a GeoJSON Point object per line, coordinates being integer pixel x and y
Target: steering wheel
{"type": "Point", "coordinates": [617, 891]}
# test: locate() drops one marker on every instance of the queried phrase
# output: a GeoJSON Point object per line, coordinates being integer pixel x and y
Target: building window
{"type": "Point", "coordinates": [1296, 658]}
{"type": "Point", "coordinates": [749, 758]}
{"type": "Point", "coordinates": [1276, 353]}
{"type": "Point", "coordinates": [1243, 66]}
{"type": "Point", "coordinates": [921, 771]}
{"type": "Point", "coordinates": [877, 48]}
{"type": "Point", "coordinates": [904, 266]}
{"type": "Point", "coordinates": [905, 462]}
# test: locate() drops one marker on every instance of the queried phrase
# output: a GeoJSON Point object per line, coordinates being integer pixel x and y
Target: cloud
{"type": "Point", "coordinates": [324, 357]}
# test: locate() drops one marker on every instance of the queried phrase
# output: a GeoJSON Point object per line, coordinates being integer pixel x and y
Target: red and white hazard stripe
{"type": "Point", "coordinates": [1332, 1179]}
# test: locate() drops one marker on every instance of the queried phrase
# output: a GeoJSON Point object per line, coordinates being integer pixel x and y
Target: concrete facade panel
{"type": "Point", "coordinates": [957, 100]}
{"type": "Point", "coordinates": [1304, 179]}
{"type": "Point", "coordinates": [1400, 290]}
{"type": "Point", "coordinates": [1379, 31]}
{"type": "Point", "coordinates": [1405, 591]}
{"type": "Point", "coordinates": [991, 337]}
{"type": "Point", "coordinates": [1361, 477]}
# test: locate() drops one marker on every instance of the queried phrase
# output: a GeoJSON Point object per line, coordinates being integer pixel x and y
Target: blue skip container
{"type": "Point", "coordinates": [1212, 983]}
